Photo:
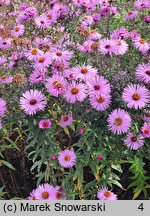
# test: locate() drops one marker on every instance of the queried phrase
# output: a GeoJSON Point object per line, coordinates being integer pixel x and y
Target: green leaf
{"type": "Point", "coordinates": [6, 163]}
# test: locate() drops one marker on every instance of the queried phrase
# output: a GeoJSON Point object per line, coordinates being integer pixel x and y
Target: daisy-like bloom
{"type": "Point", "coordinates": [75, 92]}
{"type": "Point", "coordinates": [85, 47]}
{"type": "Point", "coordinates": [134, 35]}
{"type": "Point", "coordinates": [131, 15]}
{"type": "Point", "coordinates": [70, 74]}
{"type": "Point", "coordinates": [141, 4]}
{"type": "Point", "coordinates": [119, 121]}
{"type": "Point", "coordinates": [38, 76]}
{"type": "Point", "coordinates": [56, 85]}
{"type": "Point", "coordinates": [45, 124]}
{"type": "Point", "coordinates": [143, 73]}
{"type": "Point", "coordinates": [6, 79]}
{"type": "Point", "coordinates": [120, 33]}
{"type": "Point", "coordinates": [94, 35]}
{"type": "Point", "coordinates": [42, 61]}
{"type": "Point", "coordinates": [67, 158]}
{"type": "Point", "coordinates": [121, 47]}
{"type": "Point", "coordinates": [133, 141]}
{"type": "Point", "coordinates": [98, 85]}
{"type": "Point", "coordinates": [61, 55]}
{"type": "Point", "coordinates": [52, 16]}
{"type": "Point", "coordinates": [85, 72]}
{"type": "Point", "coordinates": [32, 101]}
{"type": "Point", "coordinates": [5, 43]}
{"type": "Point", "coordinates": [42, 22]}
{"type": "Point", "coordinates": [147, 19]}
{"type": "Point", "coordinates": [66, 120]}
{"type": "Point", "coordinates": [45, 192]}
{"type": "Point", "coordinates": [141, 44]}
{"type": "Point", "coordinates": [105, 194]}
{"type": "Point", "coordinates": [33, 53]}
{"type": "Point", "coordinates": [2, 60]}
{"type": "Point", "coordinates": [146, 130]}
{"type": "Point", "coordinates": [100, 102]}
{"type": "Point", "coordinates": [106, 46]}
{"type": "Point", "coordinates": [18, 31]}
{"type": "Point", "coordinates": [136, 96]}
{"type": "Point", "coordinates": [146, 116]}
{"type": "Point", "coordinates": [32, 195]}
{"type": "Point", "coordinates": [2, 107]}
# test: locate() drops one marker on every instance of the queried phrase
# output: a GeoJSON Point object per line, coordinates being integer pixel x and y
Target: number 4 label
{"type": "Point", "coordinates": [141, 207]}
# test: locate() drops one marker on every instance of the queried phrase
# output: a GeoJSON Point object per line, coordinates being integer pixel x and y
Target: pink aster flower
{"type": "Point", "coordinates": [134, 142]}
{"type": "Point", "coordinates": [141, 44]}
{"type": "Point", "coordinates": [18, 31]}
{"type": "Point", "coordinates": [56, 85]}
{"type": "Point", "coordinates": [131, 15]}
{"type": "Point", "coordinates": [119, 121]}
{"type": "Point", "coordinates": [143, 73]}
{"type": "Point", "coordinates": [121, 47]}
{"type": "Point", "coordinates": [85, 47]}
{"type": "Point", "coordinates": [141, 4]}
{"type": "Point", "coordinates": [5, 43]}
{"type": "Point", "coordinates": [67, 158]}
{"type": "Point", "coordinates": [42, 61]}
{"type": "Point", "coordinates": [146, 130]}
{"type": "Point", "coordinates": [52, 16]}
{"type": "Point", "coordinates": [32, 195]}
{"type": "Point", "coordinates": [6, 79]}
{"type": "Point", "coordinates": [147, 19]}
{"type": "Point", "coordinates": [85, 72]}
{"type": "Point", "coordinates": [146, 116]}
{"type": "Point", "coordinates": [98, 85]}
{"type": "Point", "coordinates": [134, 35]}
{"type": "Point", "coordinates": [32, 101]}
{"type": "Point", "coordinates": [2, 107]}
{"type": "Point", "coordinates": [120, 33]}
{"type": "Point", "coordinates": [136, 96]}
{"type": "Point", "coordinates": [66, 120]}
{"type": "Point", "coordinates": [2, 60]}
{"type": "Point", "coordinates": [33, 53]}
{"type": "Point", "coordinates": [70, 74]}
{"type": "Point", "coordinates": [38, 76]}
{"type": "Point", "coordinates": [45, 192]}
{"type": "Point", "coordinates": [105, 194]}
{"type": "Point", "coordinates": [75, 92]}
{"type": "Point", "coordinates": [42, 22]}
{"type": "Point", "coordinates": [61, 55]}
{"type": "Point", "coordinates": [100, 102]}
{"type": "Point", "coordinates": [45, 124]}
{"type": "Point", "coordinates": [106, 46]}
{"type": "Point", "coordinates": [94, 35]}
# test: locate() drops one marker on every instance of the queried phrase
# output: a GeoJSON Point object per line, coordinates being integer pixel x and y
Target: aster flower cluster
{"type": "Point", "coordinates": [67, 72]}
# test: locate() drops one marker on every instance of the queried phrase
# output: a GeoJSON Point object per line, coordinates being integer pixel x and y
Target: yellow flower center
{"type": "Point", "coordinates": [41, 59]}
{"type": "Point", "coordinates": [34, 52]}
{"type": "Point", "coordinates": [118, 121]}
{"type": "Point", "coordinates": [45, 195]}
{"type": "Point", "coordinates": [67, 158]}
{"type": "Point", "coordinates": [84, 70]}
{"type": "Point", "coordinates": [74, 90]}
{"type": "Point", "coordinates": [100, 99]}
{"type": "Point", "coordinates": [107, 194]}
{"type": "Point", "coordinates": [65, 118]}
{"type": "Point", "coordinates": [142, 41]}
{"type": "Point", "coordinates": [136, 96]}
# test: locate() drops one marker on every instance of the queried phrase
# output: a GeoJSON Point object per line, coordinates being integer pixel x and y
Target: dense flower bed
{"type": "Point", "coordinates": [75, 99]}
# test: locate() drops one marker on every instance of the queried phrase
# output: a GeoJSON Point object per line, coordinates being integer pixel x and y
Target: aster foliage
{"type": "Point", "coordinates": [74, 99]}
